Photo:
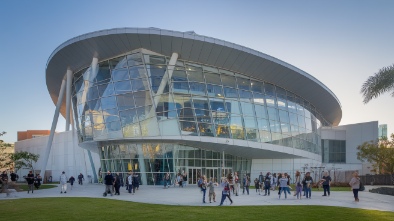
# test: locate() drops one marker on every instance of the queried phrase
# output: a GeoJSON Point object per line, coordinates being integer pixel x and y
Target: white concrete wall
{"type": "Point", "coordinates": [65, 155]}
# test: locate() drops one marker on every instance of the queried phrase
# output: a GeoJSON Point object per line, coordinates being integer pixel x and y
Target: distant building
{"type": "Point", "coordinates": [29, 134]}
{"type": "Point", "coordinates": [382, 131]}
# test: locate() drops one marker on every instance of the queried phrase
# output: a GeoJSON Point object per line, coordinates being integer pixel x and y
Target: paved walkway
{"type": "Point", "coordinates": [191, 196]}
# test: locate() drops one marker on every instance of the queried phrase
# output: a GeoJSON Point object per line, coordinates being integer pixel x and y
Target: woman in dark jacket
{"type": "Point", "coordinates": [117, 183]}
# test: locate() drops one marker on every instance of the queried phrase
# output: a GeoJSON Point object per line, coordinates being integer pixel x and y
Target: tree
{"type": "Point", "coordinates": [4, 154]}
{"type": "Point", "coordinates": [381, 82]}
{"type": "Point", "coordinates": [24, 159]}
{"type": "Point", "coordinates": [380, 153]}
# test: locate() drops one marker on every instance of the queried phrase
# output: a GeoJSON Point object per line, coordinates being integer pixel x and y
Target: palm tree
{"type": "Point", "coordinates": [381, 82]}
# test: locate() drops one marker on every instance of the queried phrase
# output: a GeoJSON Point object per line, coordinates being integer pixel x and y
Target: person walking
{"type": "Point", "coordinates": [109, 182]}
{"type": "Point", "coordinates": [261, 182]}
{"type": "Point", "coordinates": [167, 180]}
{"type": "Point", "coordinates": [63, 182]}
{"type": "Point", "coordinates": [355, 186]}
{"type": "Point", "coordinates": [308, 182]}
{"type": "Point", "coordinates": [247, 184]}
{"type": "Point", "coordinates": [71, 180]}
{"type": "Point", "coordinates": [226, 191]}
{"type": "Point", "coordinates": [80, 178]}
{"type": "Point", "coordinates": [274, 182]}
{"type": "Point", "coordinates": [326, 183]}
{"type": "Point", "coordinates": [211, 189]}
{"type": "Point", "coordinates": [117, 184]}
{"type": "Point", "coordinates": [298, 185]}
{"type": "Point", "coordinates": [267, 183]}
{"type": "Point", "coordinates": [204, 187]}
{"type": "Point", "coordinates": [30, 181]}
{"type": "Point", "coordinates": [257, 185]}
{"type": "Point", "coordinates": [130, 183]}
{"type": "Point", "coordinates": [14, 176]}
{"type": "Point", "coordinates": [283, 186]}
{"type": "Point", "coordinates": [37, 181]}
{"type": "Point", "coordinates": [136, 182]}
{"type": "Point", "coordinates": [236, 183]}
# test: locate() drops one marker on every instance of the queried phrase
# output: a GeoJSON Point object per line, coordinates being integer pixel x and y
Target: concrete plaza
{"type": "Point", "coordinates": [192, 196]}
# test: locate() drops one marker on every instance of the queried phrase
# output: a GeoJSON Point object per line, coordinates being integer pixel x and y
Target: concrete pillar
{"type": "Point", "coordinates": [53, 128]}
{"type": "Point", "coordinates": [69, 75]}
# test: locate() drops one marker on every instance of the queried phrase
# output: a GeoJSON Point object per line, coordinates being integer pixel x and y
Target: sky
{"type": "Point", "coordinates": [341, 43]}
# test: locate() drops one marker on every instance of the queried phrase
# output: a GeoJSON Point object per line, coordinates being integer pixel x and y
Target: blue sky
{"type": "Point", "coordinates": [340, 43]}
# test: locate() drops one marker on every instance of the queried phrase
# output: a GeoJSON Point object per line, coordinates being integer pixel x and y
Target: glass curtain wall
{"type": "Point", "coordinates": [133, 96]}
{"type": "Point", "coordinates": [151, 161]}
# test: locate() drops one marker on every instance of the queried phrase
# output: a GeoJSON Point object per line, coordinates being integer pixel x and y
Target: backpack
{"type": "Point", "coordinates": [362, 187]}
{"type": "Point", "coordinates": [199, 183]}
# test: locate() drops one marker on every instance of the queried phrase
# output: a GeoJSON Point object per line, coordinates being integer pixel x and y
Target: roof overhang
{"type": "Point", "coordinates": [77, 53]}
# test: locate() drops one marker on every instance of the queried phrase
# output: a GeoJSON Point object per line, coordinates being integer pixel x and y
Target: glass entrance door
{"type": "Point", "coordinates": [193, 175]}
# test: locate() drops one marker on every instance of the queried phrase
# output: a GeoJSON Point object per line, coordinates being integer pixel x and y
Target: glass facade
{"type": "Point", "coordinates": [134, 96]}
{"type": "Point", "coordinates": [153, 160]}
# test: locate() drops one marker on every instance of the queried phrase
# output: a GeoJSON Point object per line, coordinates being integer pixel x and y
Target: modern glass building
{"type": "Point", "coordinates": [156, 101]}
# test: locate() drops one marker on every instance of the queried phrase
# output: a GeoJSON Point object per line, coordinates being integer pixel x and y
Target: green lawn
{"type": "Point", "coordinates": [24, 187]}
{"type": "Point", "coordinates": [105, 209]}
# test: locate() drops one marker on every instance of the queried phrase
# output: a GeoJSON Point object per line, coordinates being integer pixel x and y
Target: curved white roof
{"type": "Point", "coordinates": [78, 52]}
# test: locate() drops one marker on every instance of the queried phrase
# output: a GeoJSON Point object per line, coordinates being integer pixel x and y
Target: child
{"type": "Point", "coordinates": [256, 184]}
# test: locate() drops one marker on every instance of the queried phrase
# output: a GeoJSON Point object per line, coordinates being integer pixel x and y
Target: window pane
{"type": "Point", "coordinates": [243, 83]}
{"type": "Point", "coordinates": [142, 98]}
{"type": "Point", "coordinates": [235, 120]}
{"type": "Point", "coordinates": [273, 113]}
{"type": "Point", "coordinates": [271, 101]}
{"type": "Point", "coordinates": [284, 117]}
{"type": "Point", "coordinates": [194, 73]}
{"type": "Point", "coordinates": [245, 96]}
{"type": "Point", "coordinates": [257, 86]}
{"type": "Point", "coordinates": [250, 122]}
{"type": "Point", "coordinates": [128, 117]}
{"type": "Point", "coordinates": [134, 59]}
{"type": "Point", "coordinates": [111, 115]}
{"type": "Point", "coordinates": [140, 84]}
{"type": "Point", "coordinates": [214, 90]}
{"type": "Point", "coordinates": [108, 103]}
{"type": "Point", "coordinates": [92, 93]}
{"type": "Point", "coordinates": [181, 87]}
{"type": "Point", "coordinates": [119, 62]}
{"type": "Point", "coordinates": [206, 129]}
{"type": "Point", "coordinates": [258, 98]}
{"type": "Point", "coordinates": [125, 101]}
{"type": "Point", "coordinates": [105, 90]}
{"type": "Point", "coordinates": [262, 124]}
{"type": "Point", "coordinates": [231, 93]}
{"type": "Point", "coordinates": [212, 78]}
{"type": "Point", "coordinates": [247, 109]}
{"type": "Point", "coordinates": [260, 111]}
{"type": "Point", "coordinates": [197, 88]}
{"type": "Point", "coordinates": [200, 103]}
{"type": "Point", "coordinates": [269, 89]}
{"type": "Point", "coordinates": [228, 81]}
{"type": "Point", "coordinates": [122, 87]}
{"type": "Point", "coordinates": [120, 75]}
{"type": "Point", "coordinates": [179, 75]}
{"type": "Point", "coordinates": [137, 72]}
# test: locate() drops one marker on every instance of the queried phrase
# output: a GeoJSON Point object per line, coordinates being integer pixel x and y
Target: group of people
{"type": "Point", "coordinates": [180, 180]}
{"type": "Point", "coordinates": [114, 182]}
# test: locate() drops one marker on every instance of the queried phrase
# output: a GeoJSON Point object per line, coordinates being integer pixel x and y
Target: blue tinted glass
{"type": "Point", "coordinates": [125, 101]}
{"type": "Point", "coordinates": [111, 115]}
{"type": "Point", "coordinates": [181, 87]}
{"type": "Point", "coordinates": [179, 75]}
{"type": "Point", "coordinates": [269, 89]}
{"type": "Point", "coordinates": [271, 101]}
{"type": "Point", "coordinates": [243, 83]}
{"type": "Point", "coordinates": [128, 117]}
{"type": "Point", "coordinates": [140, 85]}
{"type": "Point", "coordinates": [157, 71]}
{"type": "Point", "coordinates": [122, 87]}
{"type": "Point", "coordinates": [247, 109]}
{"type": "Point", "coordinates": [273, 113]}
{"type": "Point", "coordinates": [142, 98]}
{"type": "Point", "coordinates": [230, 93]}
{"type": "Point", "coordinates": [284, 117]}
{"type": "Point", "coordinates": [92, 93]}
{"type": "Point", "coordinates": [200, 103]}
{"type": "Point", "coordinates": [212, 78]}
{"type": "Point", "coordinates": [197, 88]}
{"type": "Point", "coordinates": [258, 98]}
{"type": "Point", "coordinates": [105, 90]}
{"type": "Point", "coordinates": [262, 124]}
{"type": "Point", "coordinates": [108, 103]}
{"type": "Point", "coordinates": [257, 86]}
{"type": "Point", "coordinates": [233, 106]}
{"type": "Point", "coordinates": [137, 72]}
{"type": "Point", "coordinates": [245, 95]}
{"type": "Point", "coordinates": [120, 75]}
{"type": "Point", "coordinates": [260, 111]}
{"type": "Point", "coordinates": [214, 90]}
{"type": "Point", "coordinates": [228, 81]}
{"type": "Point", "coordinates": [250, 122]}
